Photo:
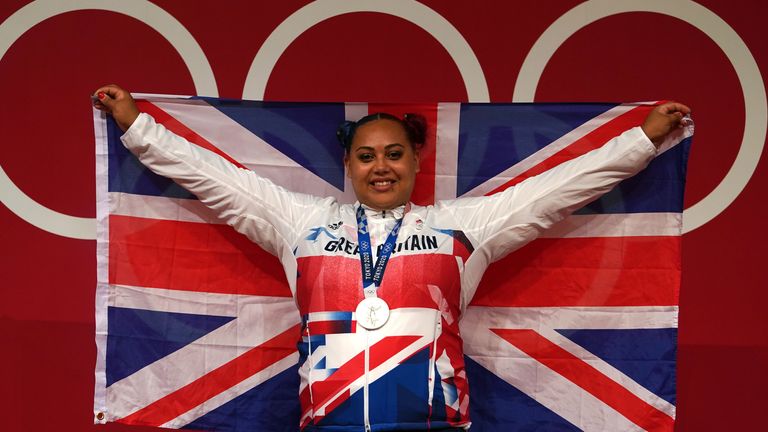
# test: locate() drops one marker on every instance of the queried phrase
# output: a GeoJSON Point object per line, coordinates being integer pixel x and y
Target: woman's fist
{"type": "Point", "coordinates": [114, 100]}
{"type": "Point", "coordinates": [664, 119]}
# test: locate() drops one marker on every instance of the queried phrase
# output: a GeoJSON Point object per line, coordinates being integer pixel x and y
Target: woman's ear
{"type": "Point", "coordinates": [417, 158]}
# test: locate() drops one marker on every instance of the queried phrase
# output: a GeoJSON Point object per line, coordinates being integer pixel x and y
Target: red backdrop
{"type": "Point", "coordinates": [707, 54]}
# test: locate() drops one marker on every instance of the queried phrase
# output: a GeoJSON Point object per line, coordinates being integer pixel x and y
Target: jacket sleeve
{"type": "Point", "coordinates": [266, 213]}
{"type": "Point", "coordinates": [502, 223]}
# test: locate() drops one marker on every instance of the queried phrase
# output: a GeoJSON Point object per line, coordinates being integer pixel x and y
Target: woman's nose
{"type": "Point", "coordinates": [381, 165]}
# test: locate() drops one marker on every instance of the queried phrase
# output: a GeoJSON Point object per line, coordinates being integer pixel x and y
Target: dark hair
{"type": "Point", "coordinates": [414, 125]}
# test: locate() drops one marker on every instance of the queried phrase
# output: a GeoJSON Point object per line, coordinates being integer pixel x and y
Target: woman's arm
{"type": "Point", "coordinates": [506, 221]}
{"type": "Point", "coordinates": [266, 213]}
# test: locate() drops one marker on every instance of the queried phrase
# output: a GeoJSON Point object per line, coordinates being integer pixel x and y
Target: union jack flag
{"type": "Point", "coordinates": [196, 327]}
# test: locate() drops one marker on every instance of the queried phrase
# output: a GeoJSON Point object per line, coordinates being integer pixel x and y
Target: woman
{"type": "Point", "coordinates": [384, 353]}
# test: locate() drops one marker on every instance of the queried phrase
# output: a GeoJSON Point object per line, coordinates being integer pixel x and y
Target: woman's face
{"type": "Point", "coordinates": [382, 164]}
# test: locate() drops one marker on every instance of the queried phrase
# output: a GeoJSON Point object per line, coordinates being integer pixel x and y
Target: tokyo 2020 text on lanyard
{"type": "Point", "coordinates": [373, 312]}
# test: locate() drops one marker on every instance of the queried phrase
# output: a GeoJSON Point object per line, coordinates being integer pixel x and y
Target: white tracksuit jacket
{"type": "Point", "coordinates": [409, 373]}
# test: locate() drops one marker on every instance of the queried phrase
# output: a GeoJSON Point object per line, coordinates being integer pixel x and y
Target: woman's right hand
{"type": "Point", "coordinates": [114, 100]}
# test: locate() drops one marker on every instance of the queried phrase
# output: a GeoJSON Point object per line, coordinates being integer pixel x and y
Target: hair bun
{"type": "Point", "coordinates": [345, 132]}
{"type": "Point", "coordinates": [416, 127]}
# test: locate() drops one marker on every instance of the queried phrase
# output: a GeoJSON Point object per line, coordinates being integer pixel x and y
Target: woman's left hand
{"type": "Point", "coordinates": [664, 119]}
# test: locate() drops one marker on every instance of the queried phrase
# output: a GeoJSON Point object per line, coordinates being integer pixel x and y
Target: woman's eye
{"type": "Point", "coordinates": [365, 157]}
{"type": "Point", "coordinates": [394, 155]}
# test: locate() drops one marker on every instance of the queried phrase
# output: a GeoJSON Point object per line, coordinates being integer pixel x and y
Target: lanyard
{"type": "Point", "coordinates": [373, 273]}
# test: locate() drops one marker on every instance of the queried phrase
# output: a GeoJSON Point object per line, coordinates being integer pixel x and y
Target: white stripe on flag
{"type": "Point", "coordinates": [354, 111]}
{"type": "Point", "coordinates": [617, 225]}
{"type": "Point", "coordinates": [581, 317]}
{"type": "Point", "coordinates": [163, 208]}
{"type": "Point", "coordinates": [447, 151]}
{"type": "Point", "coordinates": [102, 263]}
{"type": "Point", "coordinates": [189, 302]}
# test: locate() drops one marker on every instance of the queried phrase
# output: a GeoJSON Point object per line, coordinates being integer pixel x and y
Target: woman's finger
{"type": "Point", "coordinates": [112, 91]}
{"type": "Point", "coordinates": [106, 99]}
{"type": "Point", "coordinates": [671, 107]}
{"type": "Point", "coordinates": [96, 100]}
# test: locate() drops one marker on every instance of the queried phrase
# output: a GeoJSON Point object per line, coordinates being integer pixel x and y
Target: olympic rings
{"type": "Point", "coordinates": [756, 118]}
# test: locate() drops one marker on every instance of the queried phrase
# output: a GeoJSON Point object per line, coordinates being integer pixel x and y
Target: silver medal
{"type": "Point", "coordinates": [372, 313]}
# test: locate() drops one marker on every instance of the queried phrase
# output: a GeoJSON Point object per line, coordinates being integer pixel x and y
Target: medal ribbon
{"type": "Point", "coordinates": [373, 273]}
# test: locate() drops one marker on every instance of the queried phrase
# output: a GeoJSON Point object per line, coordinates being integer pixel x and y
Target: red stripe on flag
{"type": "Point", "coordinates": [218, 380]}
{"type": "Point", "coordinates": [595, 271]}
{"type": "Point", "coordinates": [585, 144]}
{"type": "Point", "coordinates": [190, 256]}
{"type": "Point", "coordinates": [181, 129]}
{"type": "Point", "coordinates": [424, 191]}
{"type": "Point", "coordinates": [588, 378]}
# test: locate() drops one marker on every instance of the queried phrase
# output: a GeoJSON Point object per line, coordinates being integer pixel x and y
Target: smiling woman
{"type": "Point", "coordinates": [385, 353]}
{"type": "Point", "coordinates": [382, 157]}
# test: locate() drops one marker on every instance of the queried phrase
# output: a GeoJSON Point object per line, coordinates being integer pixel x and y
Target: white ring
{"type": "Point", "coordinates": [153, 16]}
{"type": "Point", "coordinates": [756, 109]}
{"type": "Point", "coordinates": [409, 10]}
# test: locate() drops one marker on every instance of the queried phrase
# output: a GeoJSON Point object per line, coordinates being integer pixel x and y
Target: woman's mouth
{"type": "Point", "coordinates": [382, 185]}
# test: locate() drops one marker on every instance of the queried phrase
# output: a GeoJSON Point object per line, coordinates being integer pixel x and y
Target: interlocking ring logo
{"type": "Point", "coordinates": [756, 119]}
